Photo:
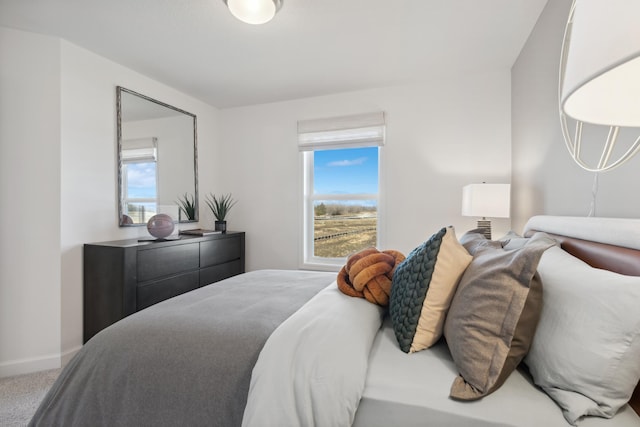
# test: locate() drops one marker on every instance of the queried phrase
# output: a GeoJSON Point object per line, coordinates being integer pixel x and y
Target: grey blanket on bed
{"type": "Point", "coordinates": [186, 361]}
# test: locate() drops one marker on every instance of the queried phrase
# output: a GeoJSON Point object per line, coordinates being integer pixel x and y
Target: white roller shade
{"type": "Point", "coordinates": [341, 132]}
{"type": "Point", "coordinates": [140, 150]}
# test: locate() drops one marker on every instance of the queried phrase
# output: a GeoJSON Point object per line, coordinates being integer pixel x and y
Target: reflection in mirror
{"type": "Point", "coordinates": [157, 159]}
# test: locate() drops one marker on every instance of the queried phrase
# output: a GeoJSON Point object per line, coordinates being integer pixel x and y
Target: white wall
{"type": "Point", "coordinates": [545, 179]}
{"type": "Point", "coordinates": [89, 180]}
{"type": "Point", "coordinates": [441, 136]}
{"type": "Point", "coordinates": [29, 200]}
{"type": "Point", "coordinates": [58, 124]}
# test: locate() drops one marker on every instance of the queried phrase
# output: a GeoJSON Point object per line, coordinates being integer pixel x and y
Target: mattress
{"type": "Point", "coordinates": [413, 389]}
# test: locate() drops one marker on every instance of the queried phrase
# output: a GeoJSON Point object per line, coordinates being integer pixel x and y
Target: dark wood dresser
{"type": "Point", "coordinates": [125, 276]}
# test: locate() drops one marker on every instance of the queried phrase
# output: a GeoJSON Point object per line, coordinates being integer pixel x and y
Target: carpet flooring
{"type": "Point", "coordinates": [20, 396]}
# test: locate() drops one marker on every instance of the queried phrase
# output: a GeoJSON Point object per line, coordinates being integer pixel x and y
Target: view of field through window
{"type": "Point", "coordinates": [341, 229]}
{"type": "Point", "coordinates": [140, 213]}
{"type": "Point", "coordinates": [348, 223]}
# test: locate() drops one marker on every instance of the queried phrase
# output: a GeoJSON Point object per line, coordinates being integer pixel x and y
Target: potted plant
{"type": "Point", "coordinates": [187, 206]}
{"type": "Point", "coordinates": [220, 207]}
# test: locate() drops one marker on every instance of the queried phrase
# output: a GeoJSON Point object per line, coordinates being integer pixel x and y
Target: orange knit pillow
{"type": "Point", "coordinates": [368, 274]}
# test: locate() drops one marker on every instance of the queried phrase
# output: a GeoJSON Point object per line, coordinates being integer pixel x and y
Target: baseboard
{"type": "Point", "coordinates": [35, 364]}
{"type": "Point", "coordinates": [68, 355]}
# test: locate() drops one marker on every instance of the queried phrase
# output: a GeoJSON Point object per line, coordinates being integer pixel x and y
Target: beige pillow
{"type": "Point", "coordinates": [494, 314]}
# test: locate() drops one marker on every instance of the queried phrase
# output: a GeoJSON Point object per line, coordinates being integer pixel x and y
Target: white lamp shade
{"type": "Point", "coordinates": [602, 73]}
{"type": "Point", "coordinates": [486, 200]}
{"type": "Point", "coordinates": [252, 11]}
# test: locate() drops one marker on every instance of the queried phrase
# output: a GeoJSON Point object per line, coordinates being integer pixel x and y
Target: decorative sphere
{"type": "Point", "coordinates": [160, 226]}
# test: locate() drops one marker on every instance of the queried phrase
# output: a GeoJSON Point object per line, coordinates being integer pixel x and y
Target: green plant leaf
{"type": "Point", "coordinates": [187, 205]}
{"type": "Point", "coordinates": [220, 205]}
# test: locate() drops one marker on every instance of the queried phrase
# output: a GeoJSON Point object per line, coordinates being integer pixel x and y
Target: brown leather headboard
{"type": "Point", "coordinates": [607, 257]}
{"type": "Point", "coordinates": [601, 255]}
{"type": "Point", "coordinates": [635, 400]}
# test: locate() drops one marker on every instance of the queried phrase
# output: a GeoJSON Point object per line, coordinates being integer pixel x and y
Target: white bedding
{"type": "Point", "coordinates": [312, 372]}
{"type": "Point", "coordinates": [413, 389]}
{"type": "Point", "coordinates": [400, 389]}
{"type": "Point", "coordinates": [312, 369]}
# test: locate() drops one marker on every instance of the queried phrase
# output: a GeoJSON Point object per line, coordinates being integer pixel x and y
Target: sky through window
{"type": "Point", "coordinates": [346, 171]}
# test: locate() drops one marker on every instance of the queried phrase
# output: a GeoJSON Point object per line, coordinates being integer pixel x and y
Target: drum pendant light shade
{"type": "Point", "coordinates": [600, 74]}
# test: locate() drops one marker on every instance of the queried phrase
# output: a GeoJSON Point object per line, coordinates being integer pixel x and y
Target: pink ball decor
{"type": "Point", "coordinates": [160, 226]}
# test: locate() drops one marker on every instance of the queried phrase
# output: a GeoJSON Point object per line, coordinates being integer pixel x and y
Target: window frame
{"type": "Point", "coordinates": [307, 258]}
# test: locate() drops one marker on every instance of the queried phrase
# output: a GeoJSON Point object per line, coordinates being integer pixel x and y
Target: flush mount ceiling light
{"type": "Point", "coordinates": [254, 11]}
{"type": "Point", "coordinates": [600, 75]}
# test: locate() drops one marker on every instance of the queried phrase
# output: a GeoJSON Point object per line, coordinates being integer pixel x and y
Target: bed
{"type": "Point", "coordinates": [287, 348]}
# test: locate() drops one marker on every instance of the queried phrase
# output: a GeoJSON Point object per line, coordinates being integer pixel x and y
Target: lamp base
{"type": "Point", "coordinates": [485, 225]}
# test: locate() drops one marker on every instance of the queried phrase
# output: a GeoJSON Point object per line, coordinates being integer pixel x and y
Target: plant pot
{"type": "Point", "coordinates": [221, 226]}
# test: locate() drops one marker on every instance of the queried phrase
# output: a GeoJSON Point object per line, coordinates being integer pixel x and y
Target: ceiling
{"type": "Point", "coordinates": [312, 47]}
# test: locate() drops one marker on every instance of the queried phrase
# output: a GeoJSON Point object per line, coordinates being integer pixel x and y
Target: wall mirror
{"type": "Point", "coordinates": [157, 159]}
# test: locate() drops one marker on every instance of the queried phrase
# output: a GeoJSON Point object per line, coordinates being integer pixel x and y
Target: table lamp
{"type": "Point", "coordinates": [486, 200]}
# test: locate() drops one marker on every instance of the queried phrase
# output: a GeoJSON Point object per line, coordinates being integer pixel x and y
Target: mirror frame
{"type": "Point", "coordinates": [119, 91]}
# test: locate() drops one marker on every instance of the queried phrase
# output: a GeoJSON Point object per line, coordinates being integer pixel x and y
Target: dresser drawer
{"type": "Point", "coordinates": [218, 272]}
{"type": "Point", "coordinates": [153, 292]}
{"type": "Point", "coordinates": [220, 251]}
{"type": "Point", "coordinates": [160, 262]}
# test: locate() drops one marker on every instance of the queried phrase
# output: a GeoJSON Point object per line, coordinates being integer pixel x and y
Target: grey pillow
{"type": "Point", "coordinates": [586, 351]}
{"type": "Point", "coordinates": [512, 240]}
{"type": "Point", "coordinates": [494, 313]}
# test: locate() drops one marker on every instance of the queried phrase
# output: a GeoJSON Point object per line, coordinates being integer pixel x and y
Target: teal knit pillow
{"type": "Point", "coordinates": [435, 266]}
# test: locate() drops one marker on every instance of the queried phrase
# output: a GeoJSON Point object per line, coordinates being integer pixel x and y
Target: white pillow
{"type": "Point", "coordinates": [586, 351]}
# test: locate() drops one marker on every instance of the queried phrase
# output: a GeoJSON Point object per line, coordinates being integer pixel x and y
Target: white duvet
{"type": "Point", "coordinates": [312, 369]}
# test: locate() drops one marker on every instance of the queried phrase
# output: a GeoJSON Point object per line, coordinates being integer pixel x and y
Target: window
{"type": "Point", "coordinates": [341, 160]}
{"type": "Point", "coordinates": [140, 179]}
{"type": "Point", "coordinates": [140, 191]}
